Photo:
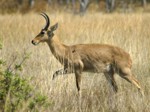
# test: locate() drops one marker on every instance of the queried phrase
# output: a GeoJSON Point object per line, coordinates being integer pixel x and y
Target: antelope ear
{"type": "Point", "coordinates": [54, 27]}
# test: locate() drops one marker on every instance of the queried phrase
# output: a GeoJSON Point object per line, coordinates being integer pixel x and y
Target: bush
{"type": "Point", "coordinates": [16, 94]}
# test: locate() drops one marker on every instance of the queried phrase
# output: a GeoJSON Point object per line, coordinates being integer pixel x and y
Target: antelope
{"type": "Point", "coordinates": [94, 58]}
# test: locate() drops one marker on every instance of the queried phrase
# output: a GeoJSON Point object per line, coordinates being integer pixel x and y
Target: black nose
{"type": "Point", "coordinates": [32, 42]}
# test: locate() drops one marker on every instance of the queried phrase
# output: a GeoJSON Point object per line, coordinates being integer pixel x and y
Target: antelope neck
{"type": "Point", "coordinates": [56, 47]}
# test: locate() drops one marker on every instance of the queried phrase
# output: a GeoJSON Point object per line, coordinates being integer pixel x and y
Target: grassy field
{"type": "Point", "coordinates": [128, 31]}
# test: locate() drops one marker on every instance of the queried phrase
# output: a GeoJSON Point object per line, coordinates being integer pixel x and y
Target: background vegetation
{"type": "Point", "coordinates": [128, 31]}
{"type": "Point", "coordinates": [26, 71]}
{"type": "Point", "coordinates": [16, 93]}
{"type": "Point", "coordinates": [74, 6]}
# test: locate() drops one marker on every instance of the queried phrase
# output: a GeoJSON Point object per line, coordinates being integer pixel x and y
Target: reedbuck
{"type": "Point", "coordinates": [96, 58]}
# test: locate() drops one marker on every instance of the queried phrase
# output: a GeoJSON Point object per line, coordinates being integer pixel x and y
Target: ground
{"type": "Point", "coordinates": [127, 31]}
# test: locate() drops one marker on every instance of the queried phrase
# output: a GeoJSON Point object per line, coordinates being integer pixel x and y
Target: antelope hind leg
{"type": "Point", "coordinates": [127, 75]}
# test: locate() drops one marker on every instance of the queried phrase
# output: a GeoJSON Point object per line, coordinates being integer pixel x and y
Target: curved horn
{"type": "Point", "coordinates": [47, 20]}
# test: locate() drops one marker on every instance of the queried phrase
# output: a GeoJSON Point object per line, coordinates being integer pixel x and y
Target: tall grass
{"type": "Point", "coordinates": [128, 31]}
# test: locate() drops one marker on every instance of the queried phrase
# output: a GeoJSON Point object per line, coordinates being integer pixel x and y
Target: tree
{"type": "Point", "coordinates": [60, 1]}
{"type": "Point", "coordinates": [144, 2]}
{"type": "Point", "coordinates": [49, 1]}
{"type": "Point", "coordinates": [31, 3]}
{"type": "Point", "coordinates": [110, 5]}
{"type": "Point", "coordinates": [83, 5]}
{"type": "Point", "coordinates": [71, 3]}
{"type": "Point", "coordinates": [20, 2]}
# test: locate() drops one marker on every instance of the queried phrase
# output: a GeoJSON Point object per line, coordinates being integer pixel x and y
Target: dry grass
{"type": "Point", "coordinates": [130, 32]}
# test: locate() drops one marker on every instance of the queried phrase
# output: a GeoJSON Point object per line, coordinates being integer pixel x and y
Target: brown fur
{"type": "Point", "coordinates": [97, 58]}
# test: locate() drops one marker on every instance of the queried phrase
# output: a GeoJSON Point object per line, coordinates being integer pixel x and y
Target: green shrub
{"type": "Point", "coordinates": [16, 94]}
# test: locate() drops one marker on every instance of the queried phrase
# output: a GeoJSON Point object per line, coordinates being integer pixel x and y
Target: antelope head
{"type": "Point", "coordinates": [46, 33]}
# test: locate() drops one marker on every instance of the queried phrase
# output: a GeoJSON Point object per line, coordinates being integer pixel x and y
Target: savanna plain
{"type": "Point", "coordinates": [130, 32]}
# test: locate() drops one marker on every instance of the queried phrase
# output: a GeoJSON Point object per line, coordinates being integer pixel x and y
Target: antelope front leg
{"type": "Point", "coordinates": [61, 72]}
{"type": "Point", "coordinates": [78, 72]}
